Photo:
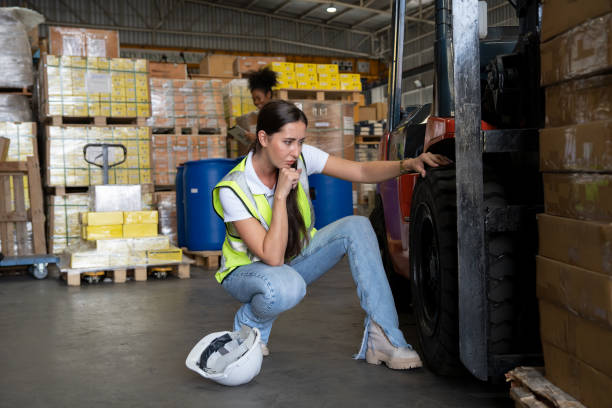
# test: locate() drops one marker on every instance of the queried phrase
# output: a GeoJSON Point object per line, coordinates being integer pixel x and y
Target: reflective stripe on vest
{"type": "Point", "coordinates": [235, 252]}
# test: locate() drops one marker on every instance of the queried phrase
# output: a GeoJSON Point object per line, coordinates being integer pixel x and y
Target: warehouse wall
{"type": "Point", "coordinates": [202, 26]}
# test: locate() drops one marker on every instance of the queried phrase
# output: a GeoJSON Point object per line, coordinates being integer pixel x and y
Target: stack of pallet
{"type": "Point", "coordinates": [90, 99]}
{"type": "Point", "coordinates": [188, 124]}
{"type": "Point", "coordinates": [574, 266]}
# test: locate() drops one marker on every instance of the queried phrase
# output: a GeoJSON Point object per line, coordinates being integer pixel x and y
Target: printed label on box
{"type": "Point", "coordinates": [98, 83]}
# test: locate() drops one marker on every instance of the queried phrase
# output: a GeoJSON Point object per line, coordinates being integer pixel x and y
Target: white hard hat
{"type": "Point", "coordinates": [229, 358]}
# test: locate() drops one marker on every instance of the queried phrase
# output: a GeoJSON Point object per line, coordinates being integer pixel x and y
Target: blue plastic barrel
{"type": "Point", "coordinates": [204, 230]}
{"type": "Point", "coordinates": [180, 207]}
{"type": "Point", "coordinates": [332, 198]}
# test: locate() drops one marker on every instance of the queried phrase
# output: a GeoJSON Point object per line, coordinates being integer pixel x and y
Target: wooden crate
{"type": "Point", "coordinates": [13, 214]}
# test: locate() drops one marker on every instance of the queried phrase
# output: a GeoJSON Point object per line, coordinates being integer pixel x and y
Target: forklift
{"type": "Point", "coordinates": [460, 244]}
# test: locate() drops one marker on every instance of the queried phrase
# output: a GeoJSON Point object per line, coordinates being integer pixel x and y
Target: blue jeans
{"type": "Point", "coordinates": [266, 291]}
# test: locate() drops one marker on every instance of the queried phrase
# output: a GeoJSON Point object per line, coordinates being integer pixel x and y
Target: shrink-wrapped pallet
{"type": "Point", "coordinates": [165, 202]}
{"type": "Point", "coordinates": [66, 165]}
{"type": "Point", "coordinates": [15, 108]}
{"type": "Point", "coordinates": [16, 70]}
{"type": "Point", "coordinates": [63, 213]}
{"type": "Point", "coordinates": [187, 103]}
{"type": "Point", "coordinates": [94, 86]}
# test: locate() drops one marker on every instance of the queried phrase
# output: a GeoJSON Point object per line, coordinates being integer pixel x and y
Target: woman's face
{"type": "Point", "coordinates": [260, 97]}
{"type": "Point", "coordinates": [284, 147]}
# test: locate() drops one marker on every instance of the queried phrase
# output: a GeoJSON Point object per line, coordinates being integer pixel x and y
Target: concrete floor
{"type": "Point", "coordinates": [125, 345]}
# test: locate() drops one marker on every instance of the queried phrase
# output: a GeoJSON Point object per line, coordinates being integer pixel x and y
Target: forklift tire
{"type": "Point", "coordinates": [434, 271]}
{"type": "Point", "coordinates": [400, 286]}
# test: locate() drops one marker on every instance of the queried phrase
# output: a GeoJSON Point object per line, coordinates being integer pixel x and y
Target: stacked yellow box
{"type": "Point", "coordinates": [574, 272]}
{"type": "Point", "coordinates": [95, 86]}
{"type": "Point", "coordinates": [350, 82]}
{"type": "Point", "coordinates": [66, 165]}
{"type": "Point", "coordinates": [123, 238]}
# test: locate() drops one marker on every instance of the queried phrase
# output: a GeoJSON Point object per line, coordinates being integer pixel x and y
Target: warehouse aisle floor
{"type": "Point", "coordinates": [125, 345]}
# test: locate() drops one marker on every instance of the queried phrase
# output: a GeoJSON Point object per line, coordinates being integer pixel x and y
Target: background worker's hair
{"type": "Point", "coordinates": [272, 117]}
{"type": "Point", "coordinates": [264, 79]}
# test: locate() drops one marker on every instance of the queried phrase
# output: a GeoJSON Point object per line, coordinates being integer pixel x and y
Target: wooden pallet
{"type": "Point", "coordinates": [120, 273]}
{"type": "Point", "coordinates": [207, 259]}
{"type": "Point", "coordinates": [26, 90]}
{"type": "Point", "coordinates": [530, 389]}
{"type": "Point", "coordinates": [188, 130]}
{"type": "Point", "coordinates": [13, 214]}
{"type": "Point", "coordinates": [95, 120]}
{"type": "Point", "coordinates": [318, 94]}
{"type": "Point", "coordinates": [66, 190]}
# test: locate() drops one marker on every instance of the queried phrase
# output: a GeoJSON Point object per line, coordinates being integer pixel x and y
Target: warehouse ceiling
{"type": "Point", "coordinates": [358, 28]}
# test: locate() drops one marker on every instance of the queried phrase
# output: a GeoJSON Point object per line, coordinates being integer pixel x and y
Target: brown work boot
{"type": "Point", "coordinates": [380, 350]}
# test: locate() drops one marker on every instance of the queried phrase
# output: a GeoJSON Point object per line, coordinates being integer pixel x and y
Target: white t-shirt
{"type": "Point", "coordinates": [234, 209]}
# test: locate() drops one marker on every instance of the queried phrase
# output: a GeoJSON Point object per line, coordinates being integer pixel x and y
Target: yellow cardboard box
{"type": "Point", "coordinates": [95, 232]}
{"type": "Point", "coordinates": [171, 254]}
{"type": "Point", "coordinates": [140, 217]}
{"type": "Point", "coordinates": [139, 230]}
{"type": "Point", "coordinates": [102, 218]}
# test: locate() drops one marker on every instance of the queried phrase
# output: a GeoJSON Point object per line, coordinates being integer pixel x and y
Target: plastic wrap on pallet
{"type": "Point", "coordinates": [186, 103]}
{"type": "Point", "coordinates": [66, 165]}
{"type": "Point", "coordinates": [171, 150]}
{"type": "Point", "coordinates": [237, 99]}
{"type": "Point", "coordinates": [63, 213]}
{"type": "Point", "coordinates": [166, 207]}
{"type": "Point", "coordinates": [16, 70]}
{"type": "Point", "coordinates": [95, 86]}
{"type": "Point", "coordinates": [83, 42]}
{"type": "Point", "coordinates": [89, 259]}
{"type": "Point", "coordinates": [15, 108]}
{"type": "Point", "coordinates": [115, 198]}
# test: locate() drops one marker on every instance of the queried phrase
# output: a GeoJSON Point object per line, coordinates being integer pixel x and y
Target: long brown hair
{"type": "Point", "coordinates": [272, 117]}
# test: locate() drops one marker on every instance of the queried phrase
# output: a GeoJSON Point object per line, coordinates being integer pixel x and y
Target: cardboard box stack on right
{"type": "Point", "coordinates": [574, 265]}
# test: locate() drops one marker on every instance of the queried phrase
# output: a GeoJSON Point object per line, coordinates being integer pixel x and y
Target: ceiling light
{"type": "Point", "coordinates": [331, 9]}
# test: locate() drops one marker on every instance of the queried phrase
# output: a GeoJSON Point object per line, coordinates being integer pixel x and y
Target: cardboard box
{"type": "Point", "coordinates": [140, 217]}
{"type": "Point", "coordinates": [95, 232]}
{"type": "Point", "coordinates": [366, 113]}
{"type": "Point", "coordinates": [583, 382]}
{"type": "Point", "coordinates": [131, 245]}
{"type": "Point", "coordinates": [584, 147]}
{"type": "Point", "coordinates": [167, 70]}
{"type": "Point", "coordinates": [243, 65]}
{"type": "Point", "coordinates": [89, 259]}
{"type": "Point", "coordinates": [218, 65]}
{"type": "Point", "coordinates": [584, 50]}
{"type": "Point", "coordinates": [585, 196]}
{"type": "Point", "coordinates": [585, 244]}
{"type": "Point", "coordinates": [381, 110]}
{"type": "Point", "coordinates": [164, 255]}
{"type": "Point", "coordinates": [579, 101]}
{"type": "Point", "coordinates": [587, 341]}
{"type": "Point", "coordinates": [587, 293]}
{"type": "Point", "coordinates": [139, 230]}
{"type": "Point", "coordinates": [559, 16]}
{"type": "Point", "coordinates": [83, 42]}
{"type": "Point", "coordinates": [102, 218]}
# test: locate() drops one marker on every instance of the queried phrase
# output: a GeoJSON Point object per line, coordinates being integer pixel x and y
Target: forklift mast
{"type": "Point", "coordinates": [507, 95]}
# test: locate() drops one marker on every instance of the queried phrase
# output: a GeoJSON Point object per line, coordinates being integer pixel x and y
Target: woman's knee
{"type": "Point", "coordinates": [290, 287]}
{"type": "Point", "coordinates": [358, 224]}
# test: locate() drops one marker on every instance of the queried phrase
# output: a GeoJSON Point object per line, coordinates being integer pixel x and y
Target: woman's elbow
{"type": "Point", "coordinates": [273, 261]}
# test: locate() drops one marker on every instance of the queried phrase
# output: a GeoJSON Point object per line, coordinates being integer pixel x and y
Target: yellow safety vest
{"type": "Point", "coordinates": [235, 252]}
